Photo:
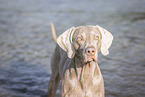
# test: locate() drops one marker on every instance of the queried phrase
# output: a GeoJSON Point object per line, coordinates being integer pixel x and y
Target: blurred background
{"type": "Point", "coordinates": [26, 44]}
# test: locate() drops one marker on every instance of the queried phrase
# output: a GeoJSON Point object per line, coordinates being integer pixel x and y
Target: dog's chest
{"type": "Point", "coordinates": [85, 80]}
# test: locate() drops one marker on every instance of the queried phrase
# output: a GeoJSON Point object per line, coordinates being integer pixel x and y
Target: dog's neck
{"type": "Point", "coordinates": [83, 76]}
{"type": "Point", "coordinates": [80, 69]}
{"type": "Point", "coordinates": [86, 68]}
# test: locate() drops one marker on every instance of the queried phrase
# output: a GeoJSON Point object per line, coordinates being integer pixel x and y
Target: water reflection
{"type": "Point", "coordinates": [26, 44]}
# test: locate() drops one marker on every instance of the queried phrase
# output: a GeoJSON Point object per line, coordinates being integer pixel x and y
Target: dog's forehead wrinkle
{"type": "Point", "coordinates": [87, 32]}
{"type": "Point", "coordinates": [83, 29]}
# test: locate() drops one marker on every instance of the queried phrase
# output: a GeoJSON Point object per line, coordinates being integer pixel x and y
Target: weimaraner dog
{"type": "Point", "coordinates": [74, 61]}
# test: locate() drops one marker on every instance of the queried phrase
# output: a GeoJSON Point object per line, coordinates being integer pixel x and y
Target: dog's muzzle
{"type": "Point", "coordinates": [90, 54]}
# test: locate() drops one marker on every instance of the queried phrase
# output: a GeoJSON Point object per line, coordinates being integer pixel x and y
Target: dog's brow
{"type": "Point", "coordinates": [81, 35]}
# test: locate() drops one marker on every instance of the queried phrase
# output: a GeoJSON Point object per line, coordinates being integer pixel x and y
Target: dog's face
{"type": "Point", "coordinates": [85, 42]}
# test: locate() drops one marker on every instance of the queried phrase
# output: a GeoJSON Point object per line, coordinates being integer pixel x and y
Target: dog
{"type": "Point", "coordinates": [74, 61]}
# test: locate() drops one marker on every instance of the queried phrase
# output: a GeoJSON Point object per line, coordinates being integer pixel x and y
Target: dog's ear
{"type": "Point", "coordinates": [106, 41]}
{"type": "Point", "coordinates": [65, 42]}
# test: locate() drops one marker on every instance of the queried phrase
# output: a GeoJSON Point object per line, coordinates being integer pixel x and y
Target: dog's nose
{"type": "Point", "coordinates": [90, 51]}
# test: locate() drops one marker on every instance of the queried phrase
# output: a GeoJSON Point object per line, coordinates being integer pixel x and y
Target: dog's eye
{"type": "Point", "coordinates": [79, 39]}
{"type": "Point", "coordinates": [96, 38]}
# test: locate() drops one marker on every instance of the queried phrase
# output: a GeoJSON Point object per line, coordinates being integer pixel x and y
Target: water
{"type": "Point", "coordinates": [26, 44]}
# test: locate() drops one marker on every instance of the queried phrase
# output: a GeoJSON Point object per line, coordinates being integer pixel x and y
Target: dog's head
{"type": "Point", "coordinates": [85, 42]}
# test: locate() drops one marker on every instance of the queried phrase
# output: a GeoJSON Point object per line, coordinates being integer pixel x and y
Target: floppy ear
{"type": "Point", "coordinates": [65, 42]}
{"type": "Point", "coordinates": [106, 41]}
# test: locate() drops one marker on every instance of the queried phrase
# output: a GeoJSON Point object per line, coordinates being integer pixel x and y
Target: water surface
{"type": "Point", "coordinates": [26, 44]}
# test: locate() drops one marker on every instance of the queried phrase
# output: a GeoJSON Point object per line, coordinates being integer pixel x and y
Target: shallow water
{"type": "Point", "coordinates": [26, 44]}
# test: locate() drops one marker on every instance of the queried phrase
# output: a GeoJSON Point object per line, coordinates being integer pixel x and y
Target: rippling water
{"type": "Point", "coordinates": [26, 44]}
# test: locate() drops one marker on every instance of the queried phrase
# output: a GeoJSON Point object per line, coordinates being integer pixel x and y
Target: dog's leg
{"type": "Point", "coordinates": [55, 77]}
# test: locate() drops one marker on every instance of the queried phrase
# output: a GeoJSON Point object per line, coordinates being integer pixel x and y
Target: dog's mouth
{"type": "Point", "coordinates": [89, 59]}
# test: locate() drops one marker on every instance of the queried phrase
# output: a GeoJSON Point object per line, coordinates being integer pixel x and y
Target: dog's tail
{"type": "Point", "coordinates": [53, 33]}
